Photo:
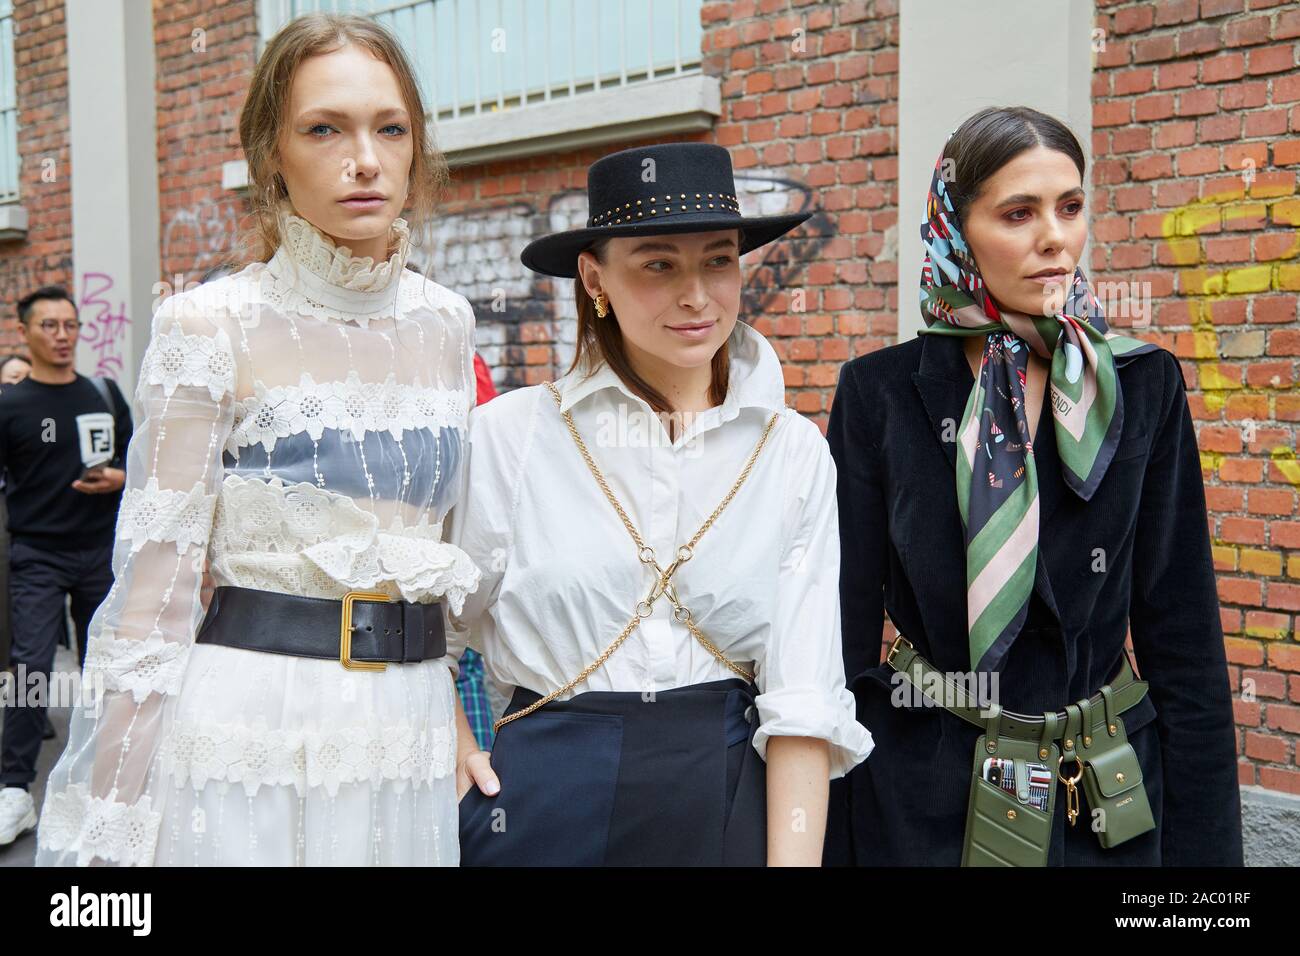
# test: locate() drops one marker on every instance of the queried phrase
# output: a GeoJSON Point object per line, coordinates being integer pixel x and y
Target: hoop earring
{"type": "Point", "coordinates": [602, 305]}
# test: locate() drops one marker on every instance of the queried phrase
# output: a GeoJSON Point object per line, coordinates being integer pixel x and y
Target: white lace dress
{"type": "Point", "coordinates": [300, 429]}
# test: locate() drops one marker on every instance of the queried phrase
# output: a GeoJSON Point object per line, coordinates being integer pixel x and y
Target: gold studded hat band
{"type": "Point", "coordinates": [662, 189]}
{"type": "Point", "coordinates": [666, 205]}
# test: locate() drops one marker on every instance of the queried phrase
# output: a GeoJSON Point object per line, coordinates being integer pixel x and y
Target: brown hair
{"type": "Point", "coordinates": [262, 117]}
{"type": "Point", "coordinates": [602, 340]}
{"type": "Point", "coordinates": [991, 138]}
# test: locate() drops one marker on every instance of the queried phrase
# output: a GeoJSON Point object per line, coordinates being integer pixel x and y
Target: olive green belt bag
{"type": "Point", "coordinates": [1008, 828]}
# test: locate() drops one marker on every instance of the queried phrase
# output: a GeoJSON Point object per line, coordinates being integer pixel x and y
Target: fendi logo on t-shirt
{"type": "Point", "coordinates": [95, 430]}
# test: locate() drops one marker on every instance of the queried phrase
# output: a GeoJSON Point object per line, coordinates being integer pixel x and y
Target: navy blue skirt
{"type": "Point", "coordinates": [618, 778]}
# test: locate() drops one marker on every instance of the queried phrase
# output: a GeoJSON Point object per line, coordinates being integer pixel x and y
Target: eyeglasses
{"type": "Point", "coordinates": [50, 326]}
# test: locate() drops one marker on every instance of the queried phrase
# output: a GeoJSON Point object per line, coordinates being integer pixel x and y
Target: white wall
{"type": "Point", "coordinates": [113, 147]}
{"type": "Point", "coordinates": [959, 56]}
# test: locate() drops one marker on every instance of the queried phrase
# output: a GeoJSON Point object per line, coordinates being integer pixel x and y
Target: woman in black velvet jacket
{"type": "Point", "coordinates": [1134, 554]}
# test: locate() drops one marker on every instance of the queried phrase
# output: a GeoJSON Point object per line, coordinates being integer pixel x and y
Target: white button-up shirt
{"type": "Point", "coordinates": [561, 576]}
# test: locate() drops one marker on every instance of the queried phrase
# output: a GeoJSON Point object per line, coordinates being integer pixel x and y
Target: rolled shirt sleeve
{"type": "Point", "coordinates": [800, 677]}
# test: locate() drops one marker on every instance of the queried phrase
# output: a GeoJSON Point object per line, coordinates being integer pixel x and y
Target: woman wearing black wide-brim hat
{"type": "Point", "coordinates": [658, 534]}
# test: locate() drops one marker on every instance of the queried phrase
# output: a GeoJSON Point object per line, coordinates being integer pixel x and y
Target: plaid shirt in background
{"type": "Point", "coordinates": [470, 685]}
{"type": "Point", "coordinates": [473, 697]}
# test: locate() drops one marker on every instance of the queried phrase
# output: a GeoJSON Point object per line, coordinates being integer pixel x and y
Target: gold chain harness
{"type": "Point", "coordinates": [663, 586]}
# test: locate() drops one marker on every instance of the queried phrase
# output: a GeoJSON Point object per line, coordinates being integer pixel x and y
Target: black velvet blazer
{"type": "Point", "coordinates": [1137, 554]}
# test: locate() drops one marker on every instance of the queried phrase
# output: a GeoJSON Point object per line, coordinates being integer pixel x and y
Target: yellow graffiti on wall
{"type": "Point", "coordinates": [1273, 203]}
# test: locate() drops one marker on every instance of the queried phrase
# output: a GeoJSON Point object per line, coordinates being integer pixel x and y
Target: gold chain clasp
{"type": "Point", "coordinates": [1071, 790]}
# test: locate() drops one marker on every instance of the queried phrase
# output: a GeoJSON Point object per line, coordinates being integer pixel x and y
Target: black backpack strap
{"type": "Point", "coordinates": [101, 386]}
{"type": "Point", "coordinates": [106, 393]}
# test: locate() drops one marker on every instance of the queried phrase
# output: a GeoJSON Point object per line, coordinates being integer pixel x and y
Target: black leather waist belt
{"type": "Point", "coordinates": [365, 630]}
{"type": "Point", "coordinates": [1084, 718]}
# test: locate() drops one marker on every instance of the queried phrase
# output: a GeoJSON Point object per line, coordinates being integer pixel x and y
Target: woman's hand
{"type": "Point", "coordinates": [474, 769]}
{"type": "Point", "coordinates": [472, 766]}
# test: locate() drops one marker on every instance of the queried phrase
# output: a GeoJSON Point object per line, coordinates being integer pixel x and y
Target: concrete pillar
{"type": "Point", "coordinates": [113, 146]}
{"type": "Point", "coordinates": [957, 57]}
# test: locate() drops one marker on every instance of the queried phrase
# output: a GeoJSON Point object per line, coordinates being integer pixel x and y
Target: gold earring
{"type": "Point", "coordinates": [602, 305]}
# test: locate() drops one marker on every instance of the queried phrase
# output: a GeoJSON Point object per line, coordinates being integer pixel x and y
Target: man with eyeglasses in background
{"type": "Point", "coordinates": [63, 439]}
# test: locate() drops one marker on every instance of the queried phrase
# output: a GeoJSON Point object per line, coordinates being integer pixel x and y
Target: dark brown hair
{"type": "Point", "coordinates": [602, 340]}
{"type": "Point", "coordinates": [50, 293]}
{"type": "Point", "coordinates": [262, 118]}
{"type": "Point", "coordinates": [993, 137]}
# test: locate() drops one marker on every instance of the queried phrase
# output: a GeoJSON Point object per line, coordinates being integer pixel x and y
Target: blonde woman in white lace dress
{"type": "Point", "coordinates": [302, 427]}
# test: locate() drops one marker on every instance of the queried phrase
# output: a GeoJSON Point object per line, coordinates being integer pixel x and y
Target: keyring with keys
{"type": "Point", "coordinates": [1071, 791]}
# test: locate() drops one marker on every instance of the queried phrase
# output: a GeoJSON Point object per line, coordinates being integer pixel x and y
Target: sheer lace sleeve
{"type": "Point", "coordinates": [104, 800]}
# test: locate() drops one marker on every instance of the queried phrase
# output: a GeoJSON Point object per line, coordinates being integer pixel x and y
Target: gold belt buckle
{"type": "Point", "coordinates": [895, 647]}
{"type": "Point", "coordinates": [345, 631]}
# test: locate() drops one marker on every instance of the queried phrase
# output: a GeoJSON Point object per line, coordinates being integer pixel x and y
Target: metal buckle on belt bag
{"type": "Point", "coordinates": [900, 643]}
{"type": "Point", "coordinates": [345, 631]}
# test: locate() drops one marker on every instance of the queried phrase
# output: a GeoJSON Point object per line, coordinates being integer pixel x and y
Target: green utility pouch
{"type": "Point", "coordinates": [1087, 745]}
{"type": "Point", "coordinates": [1005, 829]}
{"type": "Point", "coordinates": [1112, 783]}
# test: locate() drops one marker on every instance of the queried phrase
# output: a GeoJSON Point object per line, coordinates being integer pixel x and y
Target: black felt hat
{"type": "Point", "coordinates": [657, 190]}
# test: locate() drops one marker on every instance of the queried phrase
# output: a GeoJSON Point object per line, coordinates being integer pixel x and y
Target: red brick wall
{"type": "Point", "coordinates": [826, 115]}
{"type": "Point", "coordinates": [520, 345]}
{"type": "Point", "coordinates": [823, 119]}
{"type": "Point", "coordinates": [199, 96]}
{"type": "Point", "coordinates": [45, 256]}
{"type": "Point", "coordinates": [1196, 145]}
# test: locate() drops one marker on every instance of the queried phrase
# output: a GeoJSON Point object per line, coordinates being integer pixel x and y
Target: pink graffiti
{"type": "Point", "coordinates": [103, 330]}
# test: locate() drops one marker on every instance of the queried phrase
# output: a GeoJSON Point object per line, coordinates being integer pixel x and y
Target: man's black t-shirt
{"type": "Point", "coordinates": [48, 435]}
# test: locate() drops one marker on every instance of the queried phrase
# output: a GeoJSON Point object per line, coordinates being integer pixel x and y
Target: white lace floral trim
{"type": "Point", "coordinates": [165, 514]}
{"type": "Point", "coordinates": [420, 565]}
{"type": "Point", "coordinates": [267, 515]}
{"type": "Point", "coordinates": [97, 827]}
{"type": "Point", "coordinates": [254, 756]}
{"type": "Point", "coordinates": [335, 264]}
{"type": "Point", "coordinates": [324, 531]}
{"type": "Point", "coordinates": [174, 359]}
{"type": "Point", "coordinates": [154, 665]}
{"type": "Point", "coordinates": [351, 405]}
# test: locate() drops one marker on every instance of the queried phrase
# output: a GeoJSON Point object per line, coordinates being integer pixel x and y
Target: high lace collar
{"type": "Point", "coordinates": [355, 288]}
